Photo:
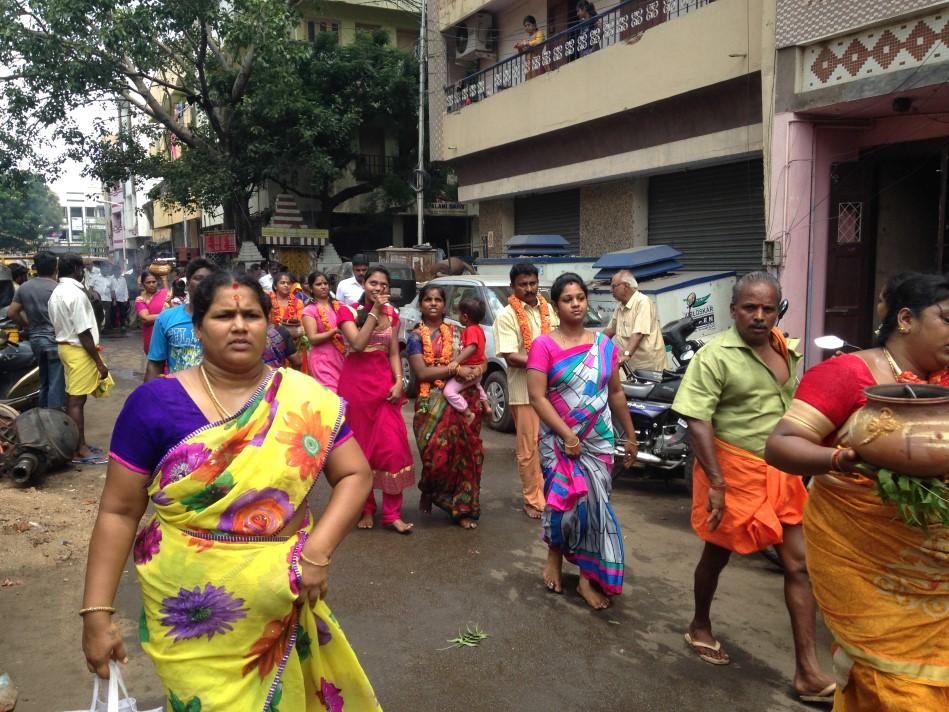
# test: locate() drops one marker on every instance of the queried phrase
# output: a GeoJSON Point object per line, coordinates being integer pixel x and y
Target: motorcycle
{"type": "Point", "coordinates": [19, 373]}
{"type": "Point", "coordinates": [662, 434]}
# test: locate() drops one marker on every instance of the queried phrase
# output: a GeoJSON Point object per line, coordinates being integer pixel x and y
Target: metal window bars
{"type": "Point", "coordinates": [622, 23]}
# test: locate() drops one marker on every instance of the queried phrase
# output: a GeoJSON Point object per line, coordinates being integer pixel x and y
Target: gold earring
{"type": "Point", "coordinates": [904, 329]}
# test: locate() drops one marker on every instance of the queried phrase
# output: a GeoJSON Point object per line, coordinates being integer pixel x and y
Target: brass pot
{"type": "Point", "coordinates": [159, 270]}
{"type": "Point", "coordinates": [904, 428]}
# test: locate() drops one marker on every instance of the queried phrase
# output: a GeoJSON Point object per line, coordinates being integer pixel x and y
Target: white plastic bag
{"type": "Point", "coordinates": [112, 703]}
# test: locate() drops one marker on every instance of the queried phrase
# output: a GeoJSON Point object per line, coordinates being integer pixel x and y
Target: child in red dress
{"type": "Point", "coordinates": [470, 313]}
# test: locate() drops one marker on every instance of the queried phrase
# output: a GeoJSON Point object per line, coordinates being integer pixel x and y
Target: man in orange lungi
{"type": "Point", "coordinates": [734, 392]}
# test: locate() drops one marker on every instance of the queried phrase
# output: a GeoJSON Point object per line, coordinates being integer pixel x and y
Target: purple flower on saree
{"type": "Point", "coordinates": [161, 499]}
{"type": "Point", "coordinates": [192, 614]}
{"type": "Point", "coordinates": [330, 696]}
{"type": "Point", "coordinates": [323, 634]}
{"type": "Point", "coordinates": [270, 397]}
{"type": "Point", "coordinates": [147, 543]}
{"type": "Point", "coordinates": [182, 461]}
{"type": "Point", "coordinates": [257, 513]}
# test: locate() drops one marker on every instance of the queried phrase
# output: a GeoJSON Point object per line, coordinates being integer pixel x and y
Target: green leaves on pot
{"type": "Point", "coordinates": [921, 501]}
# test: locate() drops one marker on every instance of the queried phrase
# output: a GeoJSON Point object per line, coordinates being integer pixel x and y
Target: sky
{"type": "Point", "coordinates": [71, 178]}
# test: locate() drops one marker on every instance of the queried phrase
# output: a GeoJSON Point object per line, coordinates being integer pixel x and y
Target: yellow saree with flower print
{"type": "Point", "coordinates": [223, 620]}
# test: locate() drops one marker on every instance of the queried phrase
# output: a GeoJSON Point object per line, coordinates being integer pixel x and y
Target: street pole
{"type": "Point", "coordinates": [420, 173]}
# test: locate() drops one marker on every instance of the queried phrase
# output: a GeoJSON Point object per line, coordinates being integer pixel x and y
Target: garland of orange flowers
{"type": "Point", "coordinates": [325, 321]}
{"type": "Point", "coordinates": [428, 354]}
{"type": "Point", "coordinates": [518, 306]}
{"type": "Point", "coordinates": [294, 310]}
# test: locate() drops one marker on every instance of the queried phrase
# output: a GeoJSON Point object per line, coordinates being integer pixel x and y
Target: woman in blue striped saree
{"type": "Point", "coordinates": [573, 382]}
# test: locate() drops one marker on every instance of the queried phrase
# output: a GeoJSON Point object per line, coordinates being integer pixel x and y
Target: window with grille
{"type": "Point", "coordinates": [315, 26]}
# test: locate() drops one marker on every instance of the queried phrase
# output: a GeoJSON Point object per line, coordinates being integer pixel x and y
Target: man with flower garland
{"type": "Point", "coordinates": [527, 316]}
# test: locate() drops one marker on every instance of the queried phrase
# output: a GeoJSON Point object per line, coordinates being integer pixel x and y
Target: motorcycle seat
{"type": "Point", "coordinates": [646, 375]}
{"type": "Point", "coordinates": [638, 390]}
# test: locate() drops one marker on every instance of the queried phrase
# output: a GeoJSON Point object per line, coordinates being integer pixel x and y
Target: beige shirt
{"type": "Point", "coordinates": [638, 316]}
{"type": "Point", "coordinates": [507, 340]}
{"type": "Point", "coordinates": [71, 312]}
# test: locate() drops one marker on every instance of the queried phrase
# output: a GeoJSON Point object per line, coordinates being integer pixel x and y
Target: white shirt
{"type": "Point", "coordinates": [349, 291]}
{"type": "Point", "coordinates": [102, 285]}
{"type": "Point", "coordinates": [71, 312]}
{"type": "Point", "coordinates": [120, 288]}
{"type": "Point", "coordinates": [266, 282]}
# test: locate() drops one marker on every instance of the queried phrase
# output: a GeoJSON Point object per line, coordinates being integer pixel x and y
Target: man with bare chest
{"type": "Point", "coordinates": [734, 392]}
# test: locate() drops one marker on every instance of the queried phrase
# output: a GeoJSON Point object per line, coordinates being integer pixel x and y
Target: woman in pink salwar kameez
{"type": "Point", "coordinates": [327, 351]}
{"type": "Point", "coordinates": [371, 383]}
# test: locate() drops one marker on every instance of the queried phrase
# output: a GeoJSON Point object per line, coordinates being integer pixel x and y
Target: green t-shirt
{"type": "Point", "coordinates": [729, 385]}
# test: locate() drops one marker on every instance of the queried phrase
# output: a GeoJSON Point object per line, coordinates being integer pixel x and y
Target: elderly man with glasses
{"type": "Point", "coordinates": [634, 326]}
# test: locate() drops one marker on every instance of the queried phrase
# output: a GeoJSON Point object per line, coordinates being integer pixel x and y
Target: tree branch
{"type": "Point", "coordinates": [206, 103]}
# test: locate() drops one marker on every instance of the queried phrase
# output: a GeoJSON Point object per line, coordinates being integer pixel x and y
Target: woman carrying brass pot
{"type": "Point", "coordinates": [882, 584]}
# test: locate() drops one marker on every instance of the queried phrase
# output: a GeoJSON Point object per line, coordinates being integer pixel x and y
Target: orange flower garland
{"type": "Point", "coordinates": [524, 325]}
{"type": "Point", "coordinates": [428, 354]}
{"type": "Point", "coordinates": [325, 321]}
{"type": "Point", "coordinates": [281, 315]}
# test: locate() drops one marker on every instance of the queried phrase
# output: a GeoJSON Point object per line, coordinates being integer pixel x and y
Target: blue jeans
{"type": "Point", "coordinates": [52, 375]}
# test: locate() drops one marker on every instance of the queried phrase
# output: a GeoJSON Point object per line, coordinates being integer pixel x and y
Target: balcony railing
{"type": "Point", "coordinates": [621, 23]}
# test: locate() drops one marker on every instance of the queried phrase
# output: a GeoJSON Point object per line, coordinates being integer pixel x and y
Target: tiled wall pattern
{"type": "Point", "coordinates": [606, 218]}
{"type": "Point", "coordinates": [801, 21]}
{"type": "Point", "coordinates": [901, 45]}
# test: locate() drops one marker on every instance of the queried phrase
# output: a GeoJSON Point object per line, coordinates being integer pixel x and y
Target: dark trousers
{"type": "Point", "coordinates": [52, 375]}
{"type": "Point", "coordinates": [117, 315]}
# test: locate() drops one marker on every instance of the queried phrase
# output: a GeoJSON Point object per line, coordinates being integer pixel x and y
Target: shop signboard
{"type": "Point", "coordinates": [220, 241]}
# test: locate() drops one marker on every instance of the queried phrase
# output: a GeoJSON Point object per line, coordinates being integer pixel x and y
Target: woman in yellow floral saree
{"type": "Point", "coordinates": [232, 568]}
{"type": "Point", "coordinates": [882, 585]}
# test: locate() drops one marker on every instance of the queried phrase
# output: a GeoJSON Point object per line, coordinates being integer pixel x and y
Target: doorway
{"type": "Point", "coordinates": [888, 215]}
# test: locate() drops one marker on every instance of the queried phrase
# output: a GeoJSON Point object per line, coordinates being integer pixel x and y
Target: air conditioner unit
{"type": "Point", "coordinates": [473, 38]}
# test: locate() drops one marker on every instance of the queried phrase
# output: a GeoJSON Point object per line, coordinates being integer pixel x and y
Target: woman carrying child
{"type": "Point", "coordinates": [471, 312]}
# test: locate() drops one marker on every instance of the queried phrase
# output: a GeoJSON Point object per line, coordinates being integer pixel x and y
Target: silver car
{"type": "Point", "coordinates": [494, 293]}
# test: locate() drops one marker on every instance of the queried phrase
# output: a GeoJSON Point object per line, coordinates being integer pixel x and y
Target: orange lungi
{"type": "Point", "coordinates": [760, 499]}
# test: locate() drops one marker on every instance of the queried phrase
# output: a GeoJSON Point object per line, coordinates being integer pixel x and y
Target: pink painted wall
{"type": "Point", "coordinates": [802, 152]}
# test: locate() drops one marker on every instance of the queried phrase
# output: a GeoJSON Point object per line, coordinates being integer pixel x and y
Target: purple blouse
{"type": "Point", "coordinates": [157, 416]}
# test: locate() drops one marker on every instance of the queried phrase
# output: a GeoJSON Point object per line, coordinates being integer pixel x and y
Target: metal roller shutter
{"type": "Point", "coordinates": [715, 216]}
{"type": "Point", "coordinates": [550, 214]}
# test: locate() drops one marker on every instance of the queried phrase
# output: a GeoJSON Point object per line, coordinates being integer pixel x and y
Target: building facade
{"type": "Point", "coordinates": [642, 125]}
{"type": "Point", "coordinates": [84, 225]}
{"type": "Point", "coordinates": [857, 156]}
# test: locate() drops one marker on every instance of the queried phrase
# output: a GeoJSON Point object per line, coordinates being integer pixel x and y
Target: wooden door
{"type": "Point", "coordinates": [851, 244]}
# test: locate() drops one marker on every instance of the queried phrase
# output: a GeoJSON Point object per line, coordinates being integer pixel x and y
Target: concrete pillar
{"type": "Point", "coordinates": [398, 231]}
{"type": "Point", "coordinates": [640, 198]}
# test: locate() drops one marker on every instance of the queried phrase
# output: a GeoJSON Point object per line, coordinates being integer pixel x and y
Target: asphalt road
{"type": "Point", "coordinates": [401, 598]}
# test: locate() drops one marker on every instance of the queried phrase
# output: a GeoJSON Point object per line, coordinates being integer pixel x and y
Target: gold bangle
{"type": "Point", "coordinates": [370, 314]}
{"type": "Point", "coordinates": [570, 445]}
{"type": "Point", "coordinates": [305, 560]}
{"type": "Point", "coordinates": [96, 609]}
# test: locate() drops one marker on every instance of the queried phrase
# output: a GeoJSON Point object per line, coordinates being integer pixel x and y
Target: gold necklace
{"type": "Point", "coordinates": [894, 366]}
{"type": "Point", "coordinates": [207, 387]}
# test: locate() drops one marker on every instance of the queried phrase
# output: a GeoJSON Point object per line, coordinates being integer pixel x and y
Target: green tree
{"type": "Point", "coordinates": [29, 210]}
{"type": "Point", "coordinates": [242, 101]}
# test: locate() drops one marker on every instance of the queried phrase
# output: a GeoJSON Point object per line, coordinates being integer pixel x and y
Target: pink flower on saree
{"type": "Point", "coordinates": [182, 461]}
{"type": "Point", "coordinates": [306, 441]}
{"type": "Point", "coordinates": [257, 513]}
{"type": "Point", "coordinates": [330, 696]}
{"type": "Point", "coordinates": [147, 543]}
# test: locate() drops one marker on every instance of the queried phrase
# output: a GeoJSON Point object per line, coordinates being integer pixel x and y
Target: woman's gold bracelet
{"type": "Point", "coordinates": [305, 560]}
{"type": "Point", "coordinates": [570, 445]}
{"type": "Point", "coordinates": [96, 609]}
{"type": "Point", "coordinates": [370, 314]}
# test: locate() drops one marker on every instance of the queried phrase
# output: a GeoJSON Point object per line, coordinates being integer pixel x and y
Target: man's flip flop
{"type": "Point", "coordinates": [698, 647]}
{"type": "Point", "coordinates": [825, 695]}
{"type": "Point", "coordinates": [92, 459]}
